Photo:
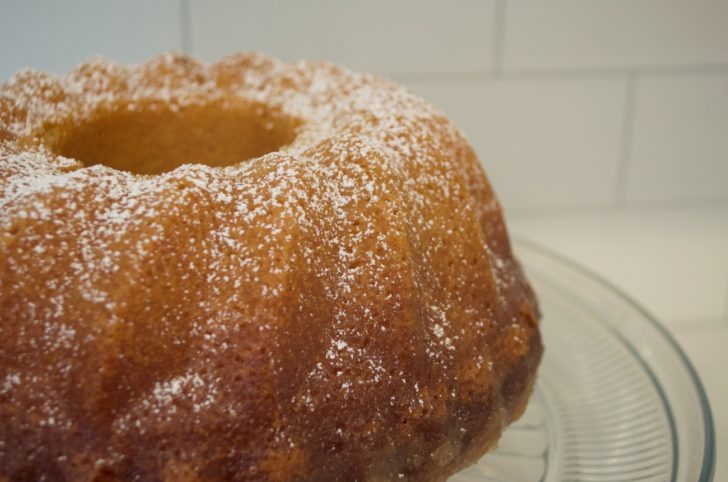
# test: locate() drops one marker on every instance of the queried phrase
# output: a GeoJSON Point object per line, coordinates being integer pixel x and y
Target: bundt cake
{"type": "Point", "coordinates": [249, 271]}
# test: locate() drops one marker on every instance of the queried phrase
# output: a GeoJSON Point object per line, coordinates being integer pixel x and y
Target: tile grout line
{"type": "Point", "coordinates": [186, 26]}
{"type": "Point", "coordinates": [562, 73]}
{"type": "Point", "coordinates": [627, 136]}
{"type": "Point", "coordinates": [499, 29]}
{"type": "Point", "coordinates": [635, 207]}
{"type": "Point", "coordinates": [725, 308]}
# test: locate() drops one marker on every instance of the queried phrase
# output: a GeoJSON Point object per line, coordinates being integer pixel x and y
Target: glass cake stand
{"type": "Point", "coordinates": [616, 398]}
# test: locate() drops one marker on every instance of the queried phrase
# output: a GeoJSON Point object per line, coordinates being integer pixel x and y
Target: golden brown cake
{"type": "Point", "coordinates": [249, 271]}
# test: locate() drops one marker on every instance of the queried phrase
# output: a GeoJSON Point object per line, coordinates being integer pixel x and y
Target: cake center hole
{"type": "Point", "coordinates": [157, 140]}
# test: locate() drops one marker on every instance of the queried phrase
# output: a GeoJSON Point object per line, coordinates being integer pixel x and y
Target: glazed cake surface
{"type": "Point", "coordinates": [249, 270]}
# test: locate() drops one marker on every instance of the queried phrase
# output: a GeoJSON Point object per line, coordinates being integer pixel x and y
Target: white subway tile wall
{"type": "Point", "coordinates": [56, 36]}
{"type": "Point", "coordinates": [569, 103]}
{"type": "Point", "coordinates": [545, 143]}
{"type": "Point", "coordinates": [382, 36]}
{"type": "Point", "coordinates": [680, 144]}
{"type": "Point", "coordinates": [572, 34]}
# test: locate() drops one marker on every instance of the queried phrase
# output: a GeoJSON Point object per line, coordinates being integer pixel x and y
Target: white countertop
{"type": "Point", "coordinates": [674, 262]}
